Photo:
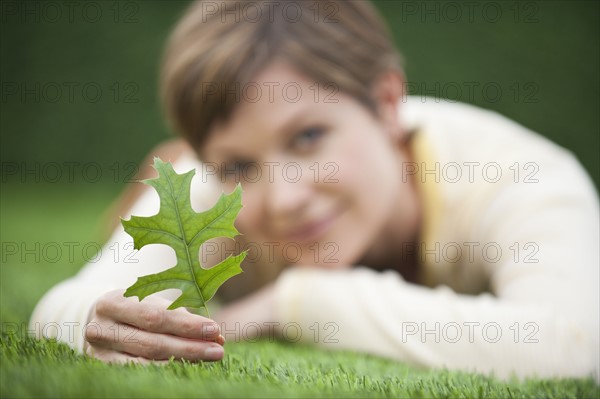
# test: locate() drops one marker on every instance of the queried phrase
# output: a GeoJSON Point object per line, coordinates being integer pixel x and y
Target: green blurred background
{"type": "Point", "coordinates": [542, 55]}
{"type": "Point", "coordinates": [79, 86]}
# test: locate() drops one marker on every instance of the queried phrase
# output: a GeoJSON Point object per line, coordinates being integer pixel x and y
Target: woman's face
{"type": "Point", "coordinates": [321, 176]}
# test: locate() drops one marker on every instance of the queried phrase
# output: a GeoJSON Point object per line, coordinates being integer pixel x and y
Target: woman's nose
{"type": "Point", "coordinates": [287, 195]}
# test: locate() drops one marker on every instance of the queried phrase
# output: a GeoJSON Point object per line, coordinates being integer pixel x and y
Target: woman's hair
{"type": "Point", "coordinates": [219, 46]}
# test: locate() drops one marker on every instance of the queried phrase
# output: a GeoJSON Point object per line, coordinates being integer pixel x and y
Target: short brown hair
{"type": "Point", "coordinates": [340, 42]}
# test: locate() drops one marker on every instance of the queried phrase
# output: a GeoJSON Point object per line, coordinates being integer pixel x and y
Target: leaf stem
{"type": "Point", "coordinates": [198, 311]}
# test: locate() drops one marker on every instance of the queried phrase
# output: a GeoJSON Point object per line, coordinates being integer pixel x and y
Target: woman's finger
{"type": "Point", "coordinates": [156, 346]}
{"type": "Point", "coordinates": [152, 315]}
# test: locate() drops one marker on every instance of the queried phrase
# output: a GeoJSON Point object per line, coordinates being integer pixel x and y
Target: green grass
{"type": "Point", "coordinates": [266, 369]}
{"type": "Point", "coordinates": [30, 368]}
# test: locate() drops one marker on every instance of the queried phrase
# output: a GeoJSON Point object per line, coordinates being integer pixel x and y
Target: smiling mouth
{"type": "Point", "coordinates": [313, 230]}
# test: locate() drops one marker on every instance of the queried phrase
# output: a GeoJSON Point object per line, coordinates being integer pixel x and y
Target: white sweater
{"type": "Point", "coordinates": [510, 254]}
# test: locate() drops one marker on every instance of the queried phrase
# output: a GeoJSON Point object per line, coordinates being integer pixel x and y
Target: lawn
{"type": "Point", "coordinates": [50, 216]}
{"type": "Point", "coordinates": [548, 46]}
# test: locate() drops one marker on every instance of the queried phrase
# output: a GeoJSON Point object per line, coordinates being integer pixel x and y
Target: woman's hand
{"type": "Point", "coordinates": [124, 330]}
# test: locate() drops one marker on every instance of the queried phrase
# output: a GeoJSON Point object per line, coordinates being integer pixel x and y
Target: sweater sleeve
{"type": "Point", "coordinates": [380, 313]}
{"type": "Point", "coordinates": [62, 313]}
{"type": "Point", "coordinates": [540, 317]}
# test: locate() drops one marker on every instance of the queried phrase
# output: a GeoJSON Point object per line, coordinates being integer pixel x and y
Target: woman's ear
{"type": "Point", "coordinates": [389, 92]}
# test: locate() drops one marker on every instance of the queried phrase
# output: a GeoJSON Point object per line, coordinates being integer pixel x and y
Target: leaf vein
{"type": "Point", "coordinates": [185, 244]}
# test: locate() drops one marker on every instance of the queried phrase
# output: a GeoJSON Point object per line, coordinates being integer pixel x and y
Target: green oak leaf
{"type": "Point", "coordinates": [179, 226]}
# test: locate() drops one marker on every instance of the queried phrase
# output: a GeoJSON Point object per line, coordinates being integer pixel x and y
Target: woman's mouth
{"type": "Point", "coordinates": [313, 230]}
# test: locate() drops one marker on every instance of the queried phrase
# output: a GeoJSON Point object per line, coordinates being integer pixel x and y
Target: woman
{"type": "Point", "coordinates": [434, 233]}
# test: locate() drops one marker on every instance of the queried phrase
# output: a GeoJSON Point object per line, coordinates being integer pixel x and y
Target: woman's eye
{"type": "Point", "coordinates": [307, 138]}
